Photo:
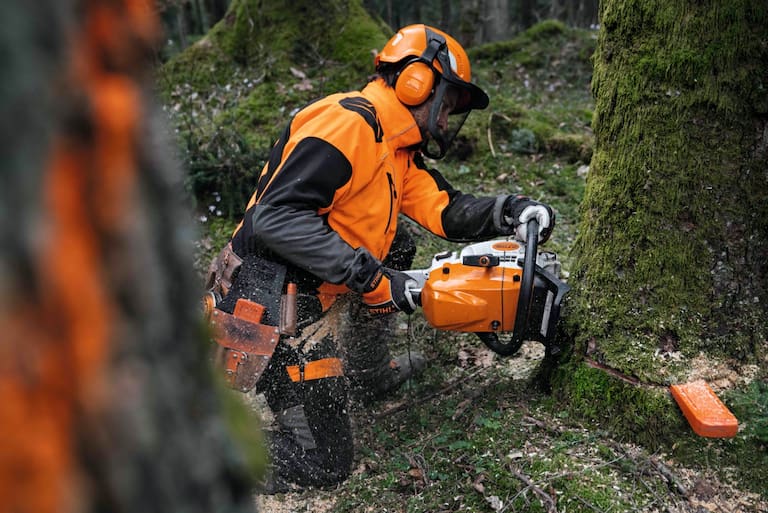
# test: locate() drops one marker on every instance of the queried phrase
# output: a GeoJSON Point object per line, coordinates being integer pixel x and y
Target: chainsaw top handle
{"type": "Point", "coordinates": [524, 299]}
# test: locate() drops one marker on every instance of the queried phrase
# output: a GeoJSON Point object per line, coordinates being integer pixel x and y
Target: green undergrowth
{"type": "Point", "coordinates": [471, 437]}
{"type": "Point", "coordinates": [479, 446]}
{"type": "Point", "coordinates": [640, 413]}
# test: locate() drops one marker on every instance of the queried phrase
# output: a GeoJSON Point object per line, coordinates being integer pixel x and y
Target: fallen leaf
{"type": "Point", "coordinates": [496, 503]}
{"type": "Point", "coordinates": [416, 474]}
{"type": "Point", "coordinates": [478, 483]}
{"type": "Point", "coordinates": [304, 85]}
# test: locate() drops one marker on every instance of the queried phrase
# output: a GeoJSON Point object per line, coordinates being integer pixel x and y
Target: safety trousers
{"type": "Point", "coordinates": [312, 443]}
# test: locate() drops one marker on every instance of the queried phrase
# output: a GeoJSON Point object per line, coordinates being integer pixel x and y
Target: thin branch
{"type": "Point", "coordinates": [408, 403]}
{"type": "Point", "coordinates": [673, 481]}
{"type": "Point", "coordinates": [547, 501]}
{"type": "Point", "coordinates": [589, 505]}
{"type": "Point", "coordinates": [489, 131]}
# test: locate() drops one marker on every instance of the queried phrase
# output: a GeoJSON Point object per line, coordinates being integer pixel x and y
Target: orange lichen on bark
{"type": "Point", "coordinates": [61, 330]}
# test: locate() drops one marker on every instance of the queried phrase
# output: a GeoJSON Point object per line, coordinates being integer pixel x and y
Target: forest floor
{"type": "Point", "coordinates": [484, 439]}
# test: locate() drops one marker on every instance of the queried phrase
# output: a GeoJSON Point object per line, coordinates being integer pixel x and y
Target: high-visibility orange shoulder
{"type": "Point", "coordinates": [337, 179]}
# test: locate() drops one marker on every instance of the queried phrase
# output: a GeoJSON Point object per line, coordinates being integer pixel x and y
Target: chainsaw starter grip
{"type": "Point", "coordinates": [481, 260]}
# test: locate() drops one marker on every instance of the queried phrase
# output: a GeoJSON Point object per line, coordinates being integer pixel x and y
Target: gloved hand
{"type": "Point", "coordinates": [389, 291]}
{"type": "Point", "coordinates": [518, 210]}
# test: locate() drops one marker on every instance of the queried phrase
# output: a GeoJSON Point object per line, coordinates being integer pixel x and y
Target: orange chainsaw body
{"type": "Point", "coordinates": [475, 290]}
{"type": "Point", "coordinates": [468, 298]}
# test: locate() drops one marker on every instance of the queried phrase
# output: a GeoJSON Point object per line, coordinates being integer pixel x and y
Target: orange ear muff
{"type": "Point", "coordinates": [414, 83]}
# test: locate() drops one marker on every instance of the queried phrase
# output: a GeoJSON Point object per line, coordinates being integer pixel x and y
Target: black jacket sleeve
{"type": "Point", "coordinates": [285, 218]}
{"type": "Point", "coordinates": [459, 217]}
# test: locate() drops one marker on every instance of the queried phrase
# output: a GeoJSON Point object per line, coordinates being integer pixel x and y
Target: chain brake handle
{"type": "Point", "coordinates": [491, 339]}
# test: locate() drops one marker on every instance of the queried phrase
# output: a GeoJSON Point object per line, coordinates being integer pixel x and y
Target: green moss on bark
{"type": "Point", "coordinates": [644, 414]}
{"type": "Point", "coordinates": [672, 244]}
{"type": "Point", "coordinates": [669, 263]}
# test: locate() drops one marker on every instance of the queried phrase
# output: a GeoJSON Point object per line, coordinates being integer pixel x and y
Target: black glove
{"type": "Point", "coordinates": [389, 291]}
{"type": "Point", "coordinates": [518, 210]}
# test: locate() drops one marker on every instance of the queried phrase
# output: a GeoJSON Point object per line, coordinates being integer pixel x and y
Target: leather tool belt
{"type": "Point", "coordinates": [248, 322]}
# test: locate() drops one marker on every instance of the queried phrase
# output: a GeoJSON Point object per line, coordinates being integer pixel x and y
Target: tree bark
{"type": "Point", "coordinates": [108, 402]}
{"type": "Point", "coordinates": [670, 275]}
{"type": "Point", "coordinates": [495, 18]}
{"type": "Point", "coordinates": [588, 13]}
{"type": "Point", "coordinates": [446, 16]}
{"type": "Point", "coordinates": [526, 13]}
{"type": "Point", "coordinates": [469, 20]}
{"type": "Point", "coordinates": [216, 9]}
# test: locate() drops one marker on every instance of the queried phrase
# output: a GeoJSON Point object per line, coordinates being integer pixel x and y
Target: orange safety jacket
{"type": "Point", "coordinates": [328, 198]}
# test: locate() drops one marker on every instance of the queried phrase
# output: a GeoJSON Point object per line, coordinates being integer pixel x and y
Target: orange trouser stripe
{"type": "Point", "coordinates": [317, 369]}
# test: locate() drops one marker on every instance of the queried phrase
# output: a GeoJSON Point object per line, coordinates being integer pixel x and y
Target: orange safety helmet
{"type": "Point", "coordinates": [421, 52]}
{"type": "Point", "coordinates": [426, 62]}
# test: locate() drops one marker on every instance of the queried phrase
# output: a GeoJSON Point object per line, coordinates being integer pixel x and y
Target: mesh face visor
{"type": "Point", "coordinates": [437, 143]}
{"type": "Point", "coordinates": [450, 65]}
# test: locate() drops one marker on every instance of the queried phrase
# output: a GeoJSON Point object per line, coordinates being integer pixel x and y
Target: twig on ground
{"type": "Point", "coordinates": [546, 499]}
{"type": "Point", "coordinates": [673, 481]}
{"type": "Point", "coordinates": [589, 505]}
{"type": "Point", "coordinates": [402, 405]}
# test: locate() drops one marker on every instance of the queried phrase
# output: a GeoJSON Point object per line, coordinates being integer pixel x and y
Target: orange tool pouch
{"type": "Point", "coordinates": [316, 369]}
{"type": "Point", "coordinates": [244, 345]}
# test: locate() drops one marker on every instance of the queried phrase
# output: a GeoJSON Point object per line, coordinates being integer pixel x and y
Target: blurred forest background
{"type": "Point", "coordinates": [471, 22]}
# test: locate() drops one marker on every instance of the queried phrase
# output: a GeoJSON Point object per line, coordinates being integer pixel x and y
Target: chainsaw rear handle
{"type": "Point", "coordinates": [491, 339]}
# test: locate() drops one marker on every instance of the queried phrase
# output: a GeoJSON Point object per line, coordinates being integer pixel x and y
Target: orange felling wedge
{"type": "Point", "coordinates": [705, 412]}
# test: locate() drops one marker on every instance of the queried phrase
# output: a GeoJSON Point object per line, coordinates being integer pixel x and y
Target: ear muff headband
{"type": "Point", "coordinates": [416, 80]}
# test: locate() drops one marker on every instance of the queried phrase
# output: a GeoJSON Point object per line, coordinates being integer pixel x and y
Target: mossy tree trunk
{"type": "Point", "coordinates": [266, 39]}
{"type": "Point", "coordinates": [108, 401]}
{"type": "Point", "coordinates": [670, 262]}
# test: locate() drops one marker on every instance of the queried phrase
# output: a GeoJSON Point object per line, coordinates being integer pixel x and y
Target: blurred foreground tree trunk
{"type": "Point", "coordinates": [671, 282]}
{"type": "Point", "coordinates": [108, 403]}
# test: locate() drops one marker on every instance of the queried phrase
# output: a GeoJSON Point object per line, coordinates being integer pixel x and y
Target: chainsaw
{"type": "Point", "coordinates": [504, 291]}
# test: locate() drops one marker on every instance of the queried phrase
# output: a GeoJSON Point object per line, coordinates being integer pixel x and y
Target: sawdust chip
{"type": "Point", "coordinates": [720, 374]}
